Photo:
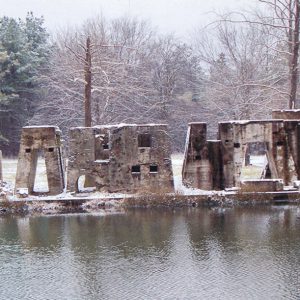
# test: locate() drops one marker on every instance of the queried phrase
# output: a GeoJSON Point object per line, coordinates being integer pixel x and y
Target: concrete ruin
{"type": "Point", "coordinates": [45, 141]}
{"type": "Point", "coordinates": [1, 173]}
{"type": "Point", "coordinates": [137, 158]}
{"type": "Point", "coordinates": [286, 114]}
{"type": "Point", "coordinates": [123, 158]}
{"type": "Point", "coordinates": [202, 166]}
{"type": "Point", "coordinates": [217, 164]}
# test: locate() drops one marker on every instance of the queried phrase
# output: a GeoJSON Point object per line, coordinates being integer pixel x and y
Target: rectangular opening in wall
{"type": "Point", "coordinates": [41, 180]}
{"type": "Point", "coordinates": [236, 145]}
{"type": "Point", "coordinates": [50, 149]}
{"type": "Point", "coordinates": [144, 140]}
{"type": "Point", "coordinates": [27, 150]}
{"type": "Point", "coordinates": [136, 169]}
{"type": "Point", "coordinates": [197, 157]}
{"type": "Point", "coordinates": [85, 184]}
{"type": "Point", "coordinates": [101, 146]}
{"type": "Point", "coordinates": [255, 165]}
{"type": "Point", "coordinates": [153, 168]}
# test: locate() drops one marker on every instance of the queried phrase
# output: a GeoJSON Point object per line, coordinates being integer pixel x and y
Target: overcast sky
{"type": "Point", "coordinates": [178, 16]}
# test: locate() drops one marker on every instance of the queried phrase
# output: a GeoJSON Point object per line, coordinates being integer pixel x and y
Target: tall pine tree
{"type": "Point", "coordinates": [23, 52]}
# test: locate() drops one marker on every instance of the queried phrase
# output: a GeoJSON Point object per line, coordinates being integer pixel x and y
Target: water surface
{"type": "Point", "coordinates": [240, 253]}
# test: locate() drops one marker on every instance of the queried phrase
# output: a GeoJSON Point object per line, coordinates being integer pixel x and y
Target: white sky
{"type": "Point", "coordinates": [178, 16]}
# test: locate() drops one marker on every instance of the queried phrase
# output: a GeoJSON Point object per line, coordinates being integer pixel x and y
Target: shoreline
{"type": "Point", "coordinates": [115, 205]}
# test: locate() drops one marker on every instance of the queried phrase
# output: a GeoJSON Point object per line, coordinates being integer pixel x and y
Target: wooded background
{"type": "Point", "coordinates": [241, 66]}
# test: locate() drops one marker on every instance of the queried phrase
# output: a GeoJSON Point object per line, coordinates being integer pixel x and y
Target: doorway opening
{"type": "Point", "coordinates": [41, 180]}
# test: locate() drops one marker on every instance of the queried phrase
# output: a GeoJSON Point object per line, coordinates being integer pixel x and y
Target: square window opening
{"type": "Point", "coordinates": [144, 140]}
{"type": "Point", "coordinates": [105, 146]}
{"type": "Point", "coordinates": [27, 150]}
{"type": "Point", "coordinates": [50, 149]}
{"type": "Point", "coordinates": [153, 169]}
{"type": "Point", "coordinates": [136, 169]}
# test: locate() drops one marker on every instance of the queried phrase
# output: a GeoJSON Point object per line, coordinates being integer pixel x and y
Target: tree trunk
{"type": "Point", "coordinates": [88, 85]}
{"type": "Point", "coordinates": [294, 59]}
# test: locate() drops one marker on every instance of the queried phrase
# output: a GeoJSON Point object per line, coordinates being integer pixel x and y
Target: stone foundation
{"type": "Point", "coordinates": [263, 185]}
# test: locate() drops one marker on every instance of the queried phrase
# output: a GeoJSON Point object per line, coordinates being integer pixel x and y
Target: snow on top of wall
{"type": "Point", "coordinates": [120, 125]}
{"type": "Point", "coordinates": [244, 122]}
{"type": "Point", "coordinates": [287, 110]}
{"type": "Point", "coordinates": [41, 126]}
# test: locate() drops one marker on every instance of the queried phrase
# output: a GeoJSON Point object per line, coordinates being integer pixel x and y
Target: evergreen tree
{"type": "Point", "coordinates": [23, 52]}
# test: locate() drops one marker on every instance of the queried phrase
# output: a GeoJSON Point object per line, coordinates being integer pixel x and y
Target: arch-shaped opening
{"type": "Point", "coordinates": [83, 185]}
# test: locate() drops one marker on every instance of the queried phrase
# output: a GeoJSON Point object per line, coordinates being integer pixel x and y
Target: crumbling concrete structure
{"type": "Point", "coordinates": [202, 166]}
{"type": "Point", "coordinates": [123, 158]}
{"type": "Point", "coordinates": [218, 164]}
{"type": "Point", "coordinates": [1, 170]}
{"type": "Point", "coordinates": [262, 185]}
{"type": "Point", "coordinates": [34, 142]}
{"type": "Point", "coordinates": [281, 144]}
{"type": "Point", "coordinates": [286, 114]}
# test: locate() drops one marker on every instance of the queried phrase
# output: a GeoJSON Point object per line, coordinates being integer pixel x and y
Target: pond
{"type": "Point", "coordinates": [237, 253]}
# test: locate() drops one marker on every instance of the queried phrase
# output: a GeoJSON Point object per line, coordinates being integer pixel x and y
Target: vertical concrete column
{"type": "Point", "coordinates": [197, 168]}
{"type": "Point", "coordinates": [32, 170]}
{"type": "Point", "coordinates": [54, 170]}
{"type": "Point", "coordinates": [26, 168]}
{"type": "Point", "coordinates": [215, 158]}
{"type": "Point", "coordinates": [1, 171]}
{"type": "Point", "coordinates": [226, 136]}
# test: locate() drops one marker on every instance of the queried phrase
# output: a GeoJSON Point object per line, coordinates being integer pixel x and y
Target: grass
{"type": "Point", "coordinates": [251, 172]}
{"type": "Point", "coordinates": [254, 171]}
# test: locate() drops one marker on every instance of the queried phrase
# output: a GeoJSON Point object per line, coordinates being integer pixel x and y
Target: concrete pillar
{"type": "Point", "coordinates": [1, 171]}
{"type": "Point", "coordinates": [198, 169]}
{"type": "Point", "coordinates": [215, 158]}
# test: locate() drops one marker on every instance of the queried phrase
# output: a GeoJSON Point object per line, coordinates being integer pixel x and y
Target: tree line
{"type": "Point", "coordinates": [239, 67]}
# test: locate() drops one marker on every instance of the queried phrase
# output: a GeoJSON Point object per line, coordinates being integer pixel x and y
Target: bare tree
{"type": "Point", "coordinates": [135, 76]}
{"type": "Point", "coordinates": [279, 20]}
{"type": "Point", "coordinates": [244, 79]}
{"type": "Point", "coordinates": [88, 85]}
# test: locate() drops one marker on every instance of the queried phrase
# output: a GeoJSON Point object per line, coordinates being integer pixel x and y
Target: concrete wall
{"type": "Point", "coordinates": [202, 166]}
{"type": "Point", "coordinates": [124, 158]}
{"type": "Point", "coordinates": [1, 170]}
{"type": "Point", "coordinates": [212, 165]}
{"type": "Point", "coordinates": [287, 114]}
{"type": "Point", "coordinates": [280, 138]}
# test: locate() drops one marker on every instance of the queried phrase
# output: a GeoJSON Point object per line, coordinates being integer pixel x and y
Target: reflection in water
{"type": "Point", "coordinates": [240, 253]}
